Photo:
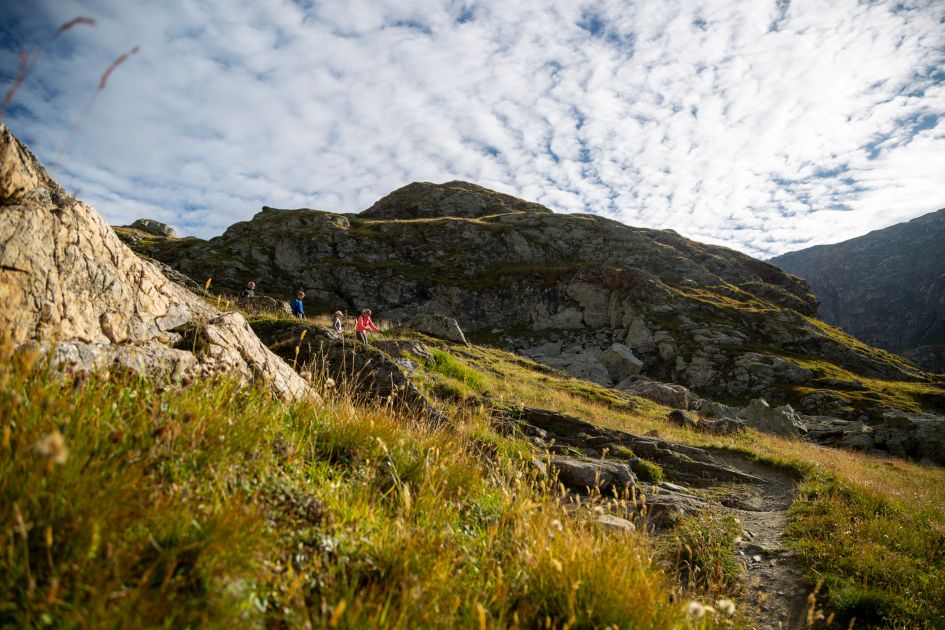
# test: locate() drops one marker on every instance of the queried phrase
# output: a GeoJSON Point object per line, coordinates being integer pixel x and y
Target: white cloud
{"type": "Point", "coordinates": [765, 126]}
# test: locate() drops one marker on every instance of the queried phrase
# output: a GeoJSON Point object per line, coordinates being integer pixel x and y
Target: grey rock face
{"type": "Point", "coordinates": [66, 279]}
{"type": "Point", "coordinates": [439, 326]}
{"type": "Point", "coordinates": [154, 227]}
{"type": "Point", "coordinates": [777, 420]}
{"type": "Point", "coordinates": [562, 289]}
{"type": "Point", "coordinates": [453, 199]}
{"type": "Point", "coordinates": [919, 436]}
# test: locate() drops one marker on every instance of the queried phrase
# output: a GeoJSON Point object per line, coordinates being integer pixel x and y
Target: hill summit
{"type": "Point", "coordinates": [423, 200]}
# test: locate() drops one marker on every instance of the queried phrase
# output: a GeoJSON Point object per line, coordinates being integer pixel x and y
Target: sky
{"type": "Point", "coordinates": [763, 125]}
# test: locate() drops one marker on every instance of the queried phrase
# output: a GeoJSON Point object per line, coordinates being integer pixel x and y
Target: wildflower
{"type": "Point", "coordinates": [556, 524]}
{"type": "Point", "coordinates": [329, 382]}
{"type": "Point", "coordinates": [698, 610]}
{"type": "Point", "coordinates": [54, 447]}
{"type": "Point", "coordinates": [726, 607]}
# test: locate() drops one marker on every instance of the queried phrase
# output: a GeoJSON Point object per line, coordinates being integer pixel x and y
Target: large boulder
{"type": "Point", "coordinates": [439, 326]}
{"type": "Point", "coordinates": [582, 475]}
{"type": "Point", "coordinates": [669, 394]}
{"type": "Point", "coordinates": [620, 362]}
{"type": "Point", "coordinates": [69, 285]}
{"type": "Point", "coordinates": [777, 420]}
{"type": "Point", "coordinates": [857, 436]}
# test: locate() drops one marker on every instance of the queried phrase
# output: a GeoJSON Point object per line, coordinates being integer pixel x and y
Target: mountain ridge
{"type": "Point", "coordinates": [886, 287]}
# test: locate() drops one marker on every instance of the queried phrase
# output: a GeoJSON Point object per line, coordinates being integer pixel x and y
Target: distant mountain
{"type": "Point", "coordinates": [886, 288]}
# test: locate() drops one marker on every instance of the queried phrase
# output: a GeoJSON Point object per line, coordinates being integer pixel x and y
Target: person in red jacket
{"type": "Point", "coordinates": [363, 325]}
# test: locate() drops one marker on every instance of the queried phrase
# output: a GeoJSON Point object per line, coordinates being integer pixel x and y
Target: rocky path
{"type": "Point", "coordinates": [775, 590]}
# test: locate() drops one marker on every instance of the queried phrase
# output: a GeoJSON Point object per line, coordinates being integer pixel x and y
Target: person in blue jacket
{"type": "Point", "coordinates": [297, 309]}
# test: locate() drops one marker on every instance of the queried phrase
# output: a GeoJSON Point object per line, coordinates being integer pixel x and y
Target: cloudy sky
{"type": "Point", "coordinates": [764, 125]}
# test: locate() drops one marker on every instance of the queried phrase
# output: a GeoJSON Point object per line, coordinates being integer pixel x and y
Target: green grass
{"type": "Point", "coordinates": [705, 552]}
{"type": "Point", "coordinates": [646, 470]}
{"type": "Point", "coordinates": [908, 395]}
{"type": "Point", "coordinates": [216, 505]}
{"type": "Point", "coordinates": [889, 569]}
{"type": "Point", "coordinates": [880, 561]}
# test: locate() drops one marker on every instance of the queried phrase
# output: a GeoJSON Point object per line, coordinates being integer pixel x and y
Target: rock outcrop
{"type": "Point", "coordinates": [71, 287]}
{"type": "Point", "coordinates": [370, 373]}
{"type": "Point", "coordinates": [886, 288]}
{"type": "Point", "coordinates": [669, 394]}
{"type": "Point", "coordinates": [586, 459]}
{"type": "Point", "coordinates": [776, 420]}
{"type": "Point", "coordinates": [154, 227]}
{"type": "Point", "coordinates": [591, 297]}
{"type": "Point", "coordinates": [439, 326]}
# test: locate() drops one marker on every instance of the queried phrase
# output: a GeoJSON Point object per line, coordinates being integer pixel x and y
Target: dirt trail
{"type": "Point", "coordinates": [775, 588]}
{"type": "Point", "coordinates": [757, 494]}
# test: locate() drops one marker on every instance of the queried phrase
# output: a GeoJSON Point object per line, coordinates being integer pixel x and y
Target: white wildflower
{"type": "Point", "coordinates": [696, 610]}
{"type": "Point", "coordinates": [54, 447]}
{"type": "Point", "coordinates": [726, 607]}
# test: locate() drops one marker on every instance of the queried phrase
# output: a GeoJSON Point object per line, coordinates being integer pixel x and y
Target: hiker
{"type": "Point", "coordinates": [249, 291]}
{"type": "Point", "coordinates": [297, 309]}
{"type": "Point", "coordinates": [337, 325]}
{"type": "Point", "coordinates": [363, 325]}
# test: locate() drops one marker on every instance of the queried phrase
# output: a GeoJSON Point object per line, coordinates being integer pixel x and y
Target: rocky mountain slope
{"type": "Point", "coordinates": [886, 288]}
{"type": "Point", "coordinates": [592, 297]}
{"type": "Point", "coordinates": [70, 287]}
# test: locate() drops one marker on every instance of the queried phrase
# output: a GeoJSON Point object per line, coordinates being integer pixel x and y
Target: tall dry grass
{"type": "Point", "coordinates": [124, 502]}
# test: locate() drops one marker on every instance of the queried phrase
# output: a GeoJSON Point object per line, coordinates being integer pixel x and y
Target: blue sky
{"type": "Point", "coordinates": [766, 126]}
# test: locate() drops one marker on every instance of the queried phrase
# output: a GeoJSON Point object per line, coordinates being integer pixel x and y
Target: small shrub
{"type": "Point", "coordinates": [646, 470]}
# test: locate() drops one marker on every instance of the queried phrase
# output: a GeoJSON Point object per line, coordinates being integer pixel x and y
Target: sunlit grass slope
{"type": "Point", "coordinates": [870, 528]}
{"type": "Point", "coordinates": [126, 505]}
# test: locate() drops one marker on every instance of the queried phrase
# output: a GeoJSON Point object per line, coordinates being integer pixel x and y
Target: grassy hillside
{"type": "Point", "coordinates": [126, 503]}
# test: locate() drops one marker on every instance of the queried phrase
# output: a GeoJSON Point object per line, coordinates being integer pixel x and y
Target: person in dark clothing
{"type": "Point", "coordinates": [249, 291]}
{"type": "Point", "coordinates": [297, 309]}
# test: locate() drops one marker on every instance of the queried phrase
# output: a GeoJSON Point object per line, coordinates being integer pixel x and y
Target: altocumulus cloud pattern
{"type": "Point", "coordinates": [762, 125]}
